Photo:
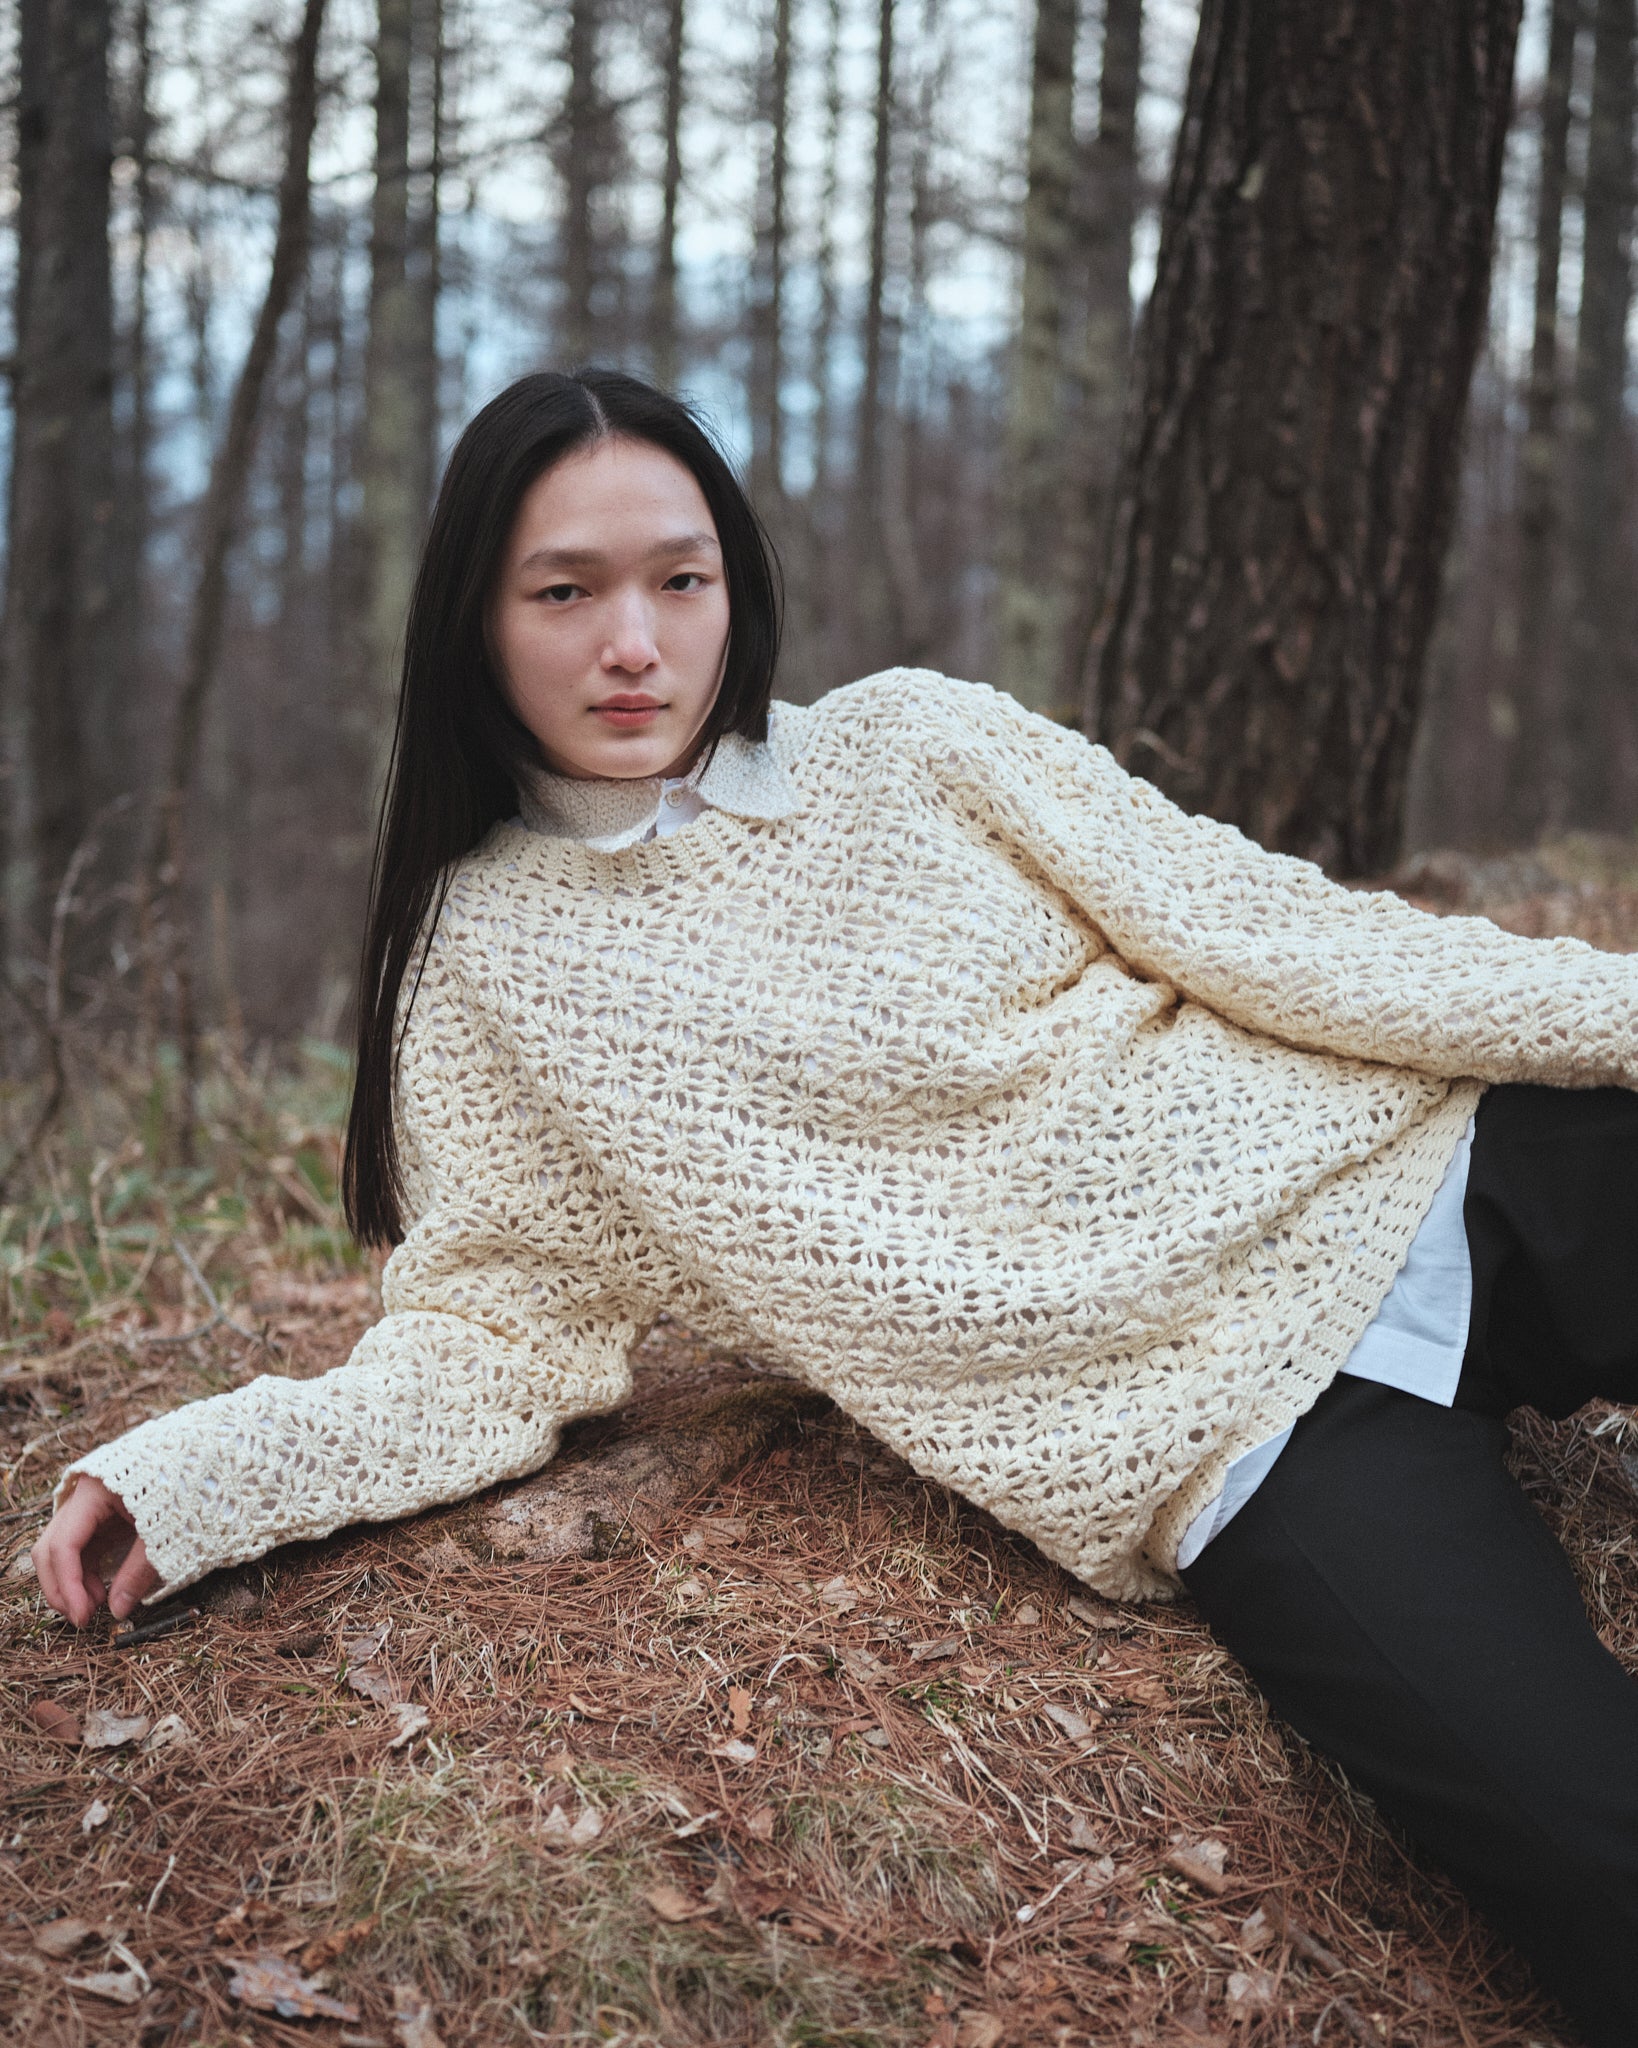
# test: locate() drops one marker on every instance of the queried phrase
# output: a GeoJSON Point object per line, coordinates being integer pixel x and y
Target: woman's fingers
{"type": "Point", "coordinates": [133, 1582]}
{"type": "Point", "coordinates": [91, 1520]}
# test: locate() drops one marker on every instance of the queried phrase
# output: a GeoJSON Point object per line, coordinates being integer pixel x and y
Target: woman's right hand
{"type": "Point", "coordinates": [90, 1552]}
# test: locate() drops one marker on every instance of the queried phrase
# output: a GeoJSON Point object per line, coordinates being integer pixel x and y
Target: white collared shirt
{"type": "Point", "coordinates": [744, 777]}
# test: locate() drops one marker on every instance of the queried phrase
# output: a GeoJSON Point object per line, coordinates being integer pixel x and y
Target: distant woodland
{"type": "Point", "coordinates": [1247, 385]}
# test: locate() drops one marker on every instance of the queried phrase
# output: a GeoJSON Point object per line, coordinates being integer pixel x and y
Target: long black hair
{"type": "Point", "coordinates": [458, 747]}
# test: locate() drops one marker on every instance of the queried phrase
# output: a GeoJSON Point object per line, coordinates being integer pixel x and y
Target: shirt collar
{"type": "Point", "coordinates": [743, 777]}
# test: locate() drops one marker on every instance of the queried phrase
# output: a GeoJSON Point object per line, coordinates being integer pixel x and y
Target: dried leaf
{"type": "Point", "coordinates": [693, 1827]}
{"type": "Point", "coordinates": [245, 1918]}
{"type": "Point", "coordinates": [1076, 1726]}
{"type": "Point", "coordinates": [62, 1937]}
{"type": "Point", "coordinates": [739, 1708]}
{"type": "Point", "coordinates": [165, 1733]}
{"type": "Point", "coordinates": [271, 1984]}
{"type": "Point", "coordinates": [674, 1905]}
{"type": "Point", "coordinates": [839, 1594]}
{"type": "Point", "coordinates": [562, 1833]}
{"type": "Point", "coordinates": [55, 1722]}
{"type": "Point", "coordinates": [95, 1816]}
{"type": "Point", "coordinates": [1093, 1616]}
{"type": "Point", "coordinates": [1083, 1835]}
{"type": "Point", "coordinates": [1201, 1863]}
{"type": "Point", "coordinates": [1027, 1616]}
{"type": "Point", "coordinates": [372, 1683]}
{"type": "Point", "coordinates": [736, 1752]}
{"type": "Point", "coordinates": [978, 2030]}
{"type": "Point", "coordinates": [1257, 1931]}
{"type": "Point", "coordinates": [935, 1652]}
{"type": "Point", "coordinates": [865, 1666]}
{"type": "Point", "coordinates": [328, 1946]}
{"type": "Point", "coordinates": [122, 1987]}
{"type": "Point", "coordinates": [1138, 1687]}
{"type": "Point", "coordinates": [104, 1729]}
{"type": "Point", "coordinates": [412, 2018]}
{"type": "Point", "coordinates": [1250, 1988]}
{"type": "Point", "coordinates": [364, 1648]}
{"type": "Point", "coordinates": [760, 1824]}
{"type": "Point", "coordinates": [412, 1718]}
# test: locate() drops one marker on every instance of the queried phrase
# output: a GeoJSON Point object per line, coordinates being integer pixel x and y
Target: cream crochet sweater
{"type": "Point", "coordinates": [1068, 1141]}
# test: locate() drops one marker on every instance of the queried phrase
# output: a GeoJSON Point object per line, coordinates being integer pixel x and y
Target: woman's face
{"type": "Point", "coordinates": [610, 619]}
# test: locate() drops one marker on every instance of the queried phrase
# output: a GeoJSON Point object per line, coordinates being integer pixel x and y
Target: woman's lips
{"type": "Point", "coordinates": [628, 711]}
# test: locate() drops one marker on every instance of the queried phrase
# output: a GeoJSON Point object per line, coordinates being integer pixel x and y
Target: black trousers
{"type": "Point", "coordinates": [1398, 1600]}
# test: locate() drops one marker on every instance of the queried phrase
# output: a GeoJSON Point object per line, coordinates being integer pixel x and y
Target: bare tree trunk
{"type": "Point", "coordinates": [1597, 706]}
{"type": "Point", "coordinates": [870, 583]}
{"type": "Point", "coordinates": [825, 323]}
{"type": "Point", "coordinates": [425, 253]}
{"type": "Point", "coordinates": [1290, 477]}
{"type": "Point", "coordinates": [60, 600]}
{"type": "Point", "coordinates": [219, 523]}
{"type": "Point", "coordinates": [135, 514]}
{"type": "Point", "coordinates": [1534, 710]}
{"type": "Point", "coordinates": [768, 272]}
{"type": "Point", "coordinates": [1030, 621]}
{"type": "Point", "coordinates": [393, 462]}
{"type": "Point", "coordinates": [585, 171]}
{"type": "Point", "coordinates": [664, 345]}
{"type": "Point", "coordinates": [1109, 216]}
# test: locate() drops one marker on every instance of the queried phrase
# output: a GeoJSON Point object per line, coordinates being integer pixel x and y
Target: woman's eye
{"type": "Point", "coordinates": [685, 579]}
{"type": "Point", "coordinates": [560, 593]}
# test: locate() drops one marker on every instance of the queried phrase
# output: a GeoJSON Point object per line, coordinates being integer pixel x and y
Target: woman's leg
{"type": "Point", "coordinates": [1552, 1229]}
{"type": "Point", "coordinates": [1394, 1594]}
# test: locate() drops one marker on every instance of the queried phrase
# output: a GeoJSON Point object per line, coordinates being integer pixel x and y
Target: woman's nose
{"type": "Point", "coordinates": [630, 644]}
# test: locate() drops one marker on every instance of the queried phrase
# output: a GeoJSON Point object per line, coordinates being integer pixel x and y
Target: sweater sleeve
{"type": "Point", "coordinates": [1272, 944]}
{"type": "Point", "coordinates": [494, 1337]}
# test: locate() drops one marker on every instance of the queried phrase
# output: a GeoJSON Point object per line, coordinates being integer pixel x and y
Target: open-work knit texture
{"type": "Point", "coordinates": [1067, 1140]}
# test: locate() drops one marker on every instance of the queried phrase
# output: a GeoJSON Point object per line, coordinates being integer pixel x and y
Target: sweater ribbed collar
{"type": "Point", "coordinates": [743, 777]}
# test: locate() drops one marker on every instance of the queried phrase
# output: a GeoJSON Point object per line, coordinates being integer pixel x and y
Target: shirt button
{"type": "Point", "coordinates": [673, 796]}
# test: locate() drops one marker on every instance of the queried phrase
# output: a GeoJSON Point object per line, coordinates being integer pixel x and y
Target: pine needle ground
{"type": "Point", "coordinates": [831, 1758]}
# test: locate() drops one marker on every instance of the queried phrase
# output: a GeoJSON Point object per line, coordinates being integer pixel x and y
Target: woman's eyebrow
{"type": "Point", "coordinates": [591, 558]}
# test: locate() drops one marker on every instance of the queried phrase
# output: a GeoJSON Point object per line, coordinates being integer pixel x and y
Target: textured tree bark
{"type": "Point", "coordinates": [869, 618]}
{"type": "Point", "coordinates": [1531, 789]}
{"type": "Point", "coordinates": [665, 342]}
{"type": "Point", "coordinates": [588, 1503]}
{"type": "Point", "coordinates": [767, 322]}
{"type": "Point", "coordinates": [1290, 470]}
{"type": "Point", "coordinates": [1597, 706]}
{"type": "Point", "coordinates": [825, 321]}
{"type": "Point", "coordinates": [585, 166]}
{"type": "Point", "coordinates": [1031, 597]}
{"type": "Point", "coordinates": [400, 375]}
{"type": "Point", "coordinates": [1107, 215]}
{"type": "Point", "coordinates": [60, 600]}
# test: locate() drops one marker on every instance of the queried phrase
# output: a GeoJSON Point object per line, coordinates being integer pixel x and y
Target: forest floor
{"type": "Point", "coordinates": [827, 1758]}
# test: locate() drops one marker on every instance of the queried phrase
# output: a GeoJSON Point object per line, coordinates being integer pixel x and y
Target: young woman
{"type": "Point", "coordinates": [1118, 1174]}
